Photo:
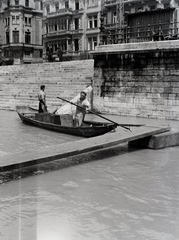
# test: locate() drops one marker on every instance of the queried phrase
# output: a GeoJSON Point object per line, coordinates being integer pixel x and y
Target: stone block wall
{"type": "Point", "coordinates": [20, 84]}
{"type": "Point", "coordinates": [143, 83]}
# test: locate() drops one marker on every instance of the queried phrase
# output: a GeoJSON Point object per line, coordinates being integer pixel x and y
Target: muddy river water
{"type": "Point", "coordinates": [131, 195]}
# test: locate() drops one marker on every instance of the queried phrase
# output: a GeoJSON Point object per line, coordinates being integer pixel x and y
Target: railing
{"type": "Point", "coordinates": [60, 12]}
{"type": "Point", "coordinates": [143, 33]}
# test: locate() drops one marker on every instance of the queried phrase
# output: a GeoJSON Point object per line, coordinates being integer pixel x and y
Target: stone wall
{"type": "Point", "coordinates": [139, 80]}
{"type": "Point", "coordinates": [20, 84]}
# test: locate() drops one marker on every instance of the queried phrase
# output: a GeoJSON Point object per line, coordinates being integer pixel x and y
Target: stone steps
{"type": "Point", "coordinates": [20, 84]}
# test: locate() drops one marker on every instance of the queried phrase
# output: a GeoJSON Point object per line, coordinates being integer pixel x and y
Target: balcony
{"type": "Point", "coordinates": [61, 12]}
{"type": "Point", "coordinates": [79, 11]}
{"type": "Point", "coordinates": [111, 3]}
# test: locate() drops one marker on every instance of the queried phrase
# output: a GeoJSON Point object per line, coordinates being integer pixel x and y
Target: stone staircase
{"type": "Point", "coordinates": [20, 84]}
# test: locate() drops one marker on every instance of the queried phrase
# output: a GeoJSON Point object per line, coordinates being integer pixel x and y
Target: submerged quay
{"type": "Point", "coordinates": [27, 150]}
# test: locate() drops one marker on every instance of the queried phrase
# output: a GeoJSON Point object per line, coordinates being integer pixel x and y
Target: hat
{"type": "Point", "coordinates": [84, 92]}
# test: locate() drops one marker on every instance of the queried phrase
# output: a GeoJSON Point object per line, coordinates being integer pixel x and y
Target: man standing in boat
{"type": "Point", "coordinates": [42, 99]}
{"type": "Point", "coordinates": [83, 106]}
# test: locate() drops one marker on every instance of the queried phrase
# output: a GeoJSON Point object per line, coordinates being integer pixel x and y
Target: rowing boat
{"type": "Point", "coordinates": [56, 123]}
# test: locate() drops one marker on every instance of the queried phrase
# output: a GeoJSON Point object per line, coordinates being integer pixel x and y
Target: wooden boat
{"type": "Point", "coordinates": [56, 123]}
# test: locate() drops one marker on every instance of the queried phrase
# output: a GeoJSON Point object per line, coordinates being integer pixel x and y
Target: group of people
{"type": "Point", "coordinates": [82, 105]}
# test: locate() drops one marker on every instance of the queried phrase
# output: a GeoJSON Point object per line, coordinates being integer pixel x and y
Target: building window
{"type": "Point", "coordinates": [7, 38]}
{"type": "Point", "coordinates": [7, 21]}
{"type": "Point", "coordinates": [76, 45]}
{"type": "Point", "coordinates": [41, 5]}
{"type": "Point", "coordinates": [92, 3]}
{"type": "Point", "coordinates": [57, 7]}
{"type": "Point", "coordinates": [92, 21]}
{"type": "Point", "coordinates": [114, 17]}
{"type": "Point", "coordinates": [92, 43]}
{"type": "Point", "coordinates": [15, 35]}
{"type": "Point", "coordinates": [27, 37]}
{"type": "Point", "coordinates": [27, 21]}
{"type": "Point", "coordinates": [76, 23]}
{"type": "Point", "coordinates": [13, 20]}
{"type": "Point", "coordinates": [27, 53]}
{"type": "Point", "coordinates": [8, 3]}
{"type": "Point", "coordinates": [27, 3]}
{"type": "Point", "coordinates": [77, 5]}
{"type": "Point", "coordinates": [67, 4]}
{"type": "Point", "coordinates": [16, 2]}
{"type": "Point", "coordinates": [48, 9]}
{"type": "Point", "coordinates": [17, 20]}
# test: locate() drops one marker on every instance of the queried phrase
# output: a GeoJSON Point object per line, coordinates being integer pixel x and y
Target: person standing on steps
{"type": "Point", "coordinates": [42, 100]}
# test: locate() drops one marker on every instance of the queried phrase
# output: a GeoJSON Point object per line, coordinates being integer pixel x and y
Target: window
{"type": "Point", "coordinates": [57, 7]}
{"type": "Point", "coordinates": [92, 21]}
{"type": "Point", "coordinates": [95, 21]}
{"type": "Point", "coordinates": [114, 17]}
{"type": "Point", "coordinates": [27, 3]}
{"type": "Point", "coordinates": [7, 37]}
{"type": "Point", "coordinates": [15, 35]}
{"type": "Point", "coordinates": [27, 37]}
{"type": "Point", "coordinates": [27, 53]}
{"type": "Point", "coordinates": [8, 3]}
{"type": "Point", "coordinates": [16, 2]}
{"type": "Point", "coordinates": [27, 21]}
{"type": "Point", "coordinates": [17, 20]}
{"type": "Point", "coordinates": [67, 4]}
{"type": "Point", "coordinates": [13, 20]}
{"type": "Point", "coordinates": [76, 23]}
{"type": "Point", "coordinates": [41, 5]}
{"type": "Point", "coordinates": [76, 45]}
{"type": "Point", "coordinates": [48, 9]}
{"type": "Point", "coordinates": [7, 21]}
{"type": "Point", "coordinates": [6, 53]}
{"type": "Point", "coordinates": [91, 3]}
{"type": "Point", "coordinates": [92, 43]}
{"type": "Point", "coordinates": [77, 4]}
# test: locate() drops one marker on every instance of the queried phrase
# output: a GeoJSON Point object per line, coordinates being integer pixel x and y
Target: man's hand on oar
{"type": "Point", "coordinates": [96, 114]}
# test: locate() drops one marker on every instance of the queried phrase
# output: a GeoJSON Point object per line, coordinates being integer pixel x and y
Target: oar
{"type": "Point", "coordinates": [120, 125]}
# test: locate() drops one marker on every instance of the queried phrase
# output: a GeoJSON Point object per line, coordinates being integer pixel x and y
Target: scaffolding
{"type": "Point", "coordinates": [120, 19]}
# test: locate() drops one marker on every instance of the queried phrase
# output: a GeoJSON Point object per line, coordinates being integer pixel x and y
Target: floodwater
{"type": "Point", "coordinates": [131, 195]}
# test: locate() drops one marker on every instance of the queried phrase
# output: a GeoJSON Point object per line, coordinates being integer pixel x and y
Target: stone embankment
{"type": "Point", "coordinates": [20, 84]}
{"type": "Point", "coordinates": [138, 79]}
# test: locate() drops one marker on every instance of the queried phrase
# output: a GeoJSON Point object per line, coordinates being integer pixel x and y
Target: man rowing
{"type": "Point", "coordinates": [83, 106]}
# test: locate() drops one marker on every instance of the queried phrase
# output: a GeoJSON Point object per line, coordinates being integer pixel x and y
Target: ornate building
{"type": "Point", "coordinates": [72, 26]}
{"type": "Point", "coordinates": [21, 30]}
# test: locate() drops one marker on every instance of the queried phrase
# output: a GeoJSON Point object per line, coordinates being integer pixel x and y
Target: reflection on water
{"type": "Point", "coordinates": [134, 195]}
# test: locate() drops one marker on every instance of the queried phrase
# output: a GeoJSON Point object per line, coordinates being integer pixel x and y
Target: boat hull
{"type": "Point", "coordinates": [89, 129]}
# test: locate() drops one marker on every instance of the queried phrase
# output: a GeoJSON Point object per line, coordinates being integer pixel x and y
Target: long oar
{"type": "Point", "coordinates": [120, 125]}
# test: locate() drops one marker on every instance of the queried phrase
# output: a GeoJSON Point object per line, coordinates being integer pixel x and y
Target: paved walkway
{"type": "Point", "coordinates": [29, 152]}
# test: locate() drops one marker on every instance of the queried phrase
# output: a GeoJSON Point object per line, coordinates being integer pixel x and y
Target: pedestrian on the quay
{"type": "Point", "coordinates": [83, 106]}
{"type": "Point", "coordinates": [42, 99]}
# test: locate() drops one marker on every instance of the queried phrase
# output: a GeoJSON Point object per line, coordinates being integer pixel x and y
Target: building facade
{"type": "Point", "coordinates": [138, 21]}
{"type": "Point", "coordinates": [21, 30]}
{"type": "Point", "coordinates": [72, 26]}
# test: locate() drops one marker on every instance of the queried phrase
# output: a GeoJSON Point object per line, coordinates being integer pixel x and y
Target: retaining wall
{"type": "Point", "coordinates": [140, 79]}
